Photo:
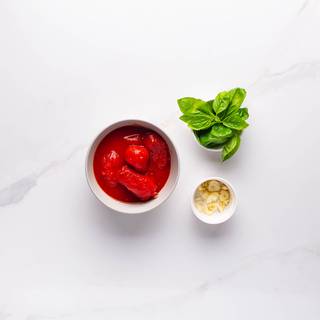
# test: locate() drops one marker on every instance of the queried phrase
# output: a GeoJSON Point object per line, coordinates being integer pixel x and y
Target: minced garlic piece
{"type": "Point", "coordinates": [212, 196]}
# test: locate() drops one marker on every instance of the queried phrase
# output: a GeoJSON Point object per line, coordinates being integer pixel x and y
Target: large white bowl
{"type": "Point", "coordinates": [140, 207]}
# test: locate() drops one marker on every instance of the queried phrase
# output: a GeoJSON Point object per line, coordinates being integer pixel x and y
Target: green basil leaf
{"type": "Point", "coordinates": [221, 102]}
{"type": "Point", "coordinates": [190, 105]}
{"type": "Point", "coordinates": [210, 103]}
{"type": "Point", "coordinates": [204, 140]}
{"type": "Point", "coordinates": [237, 97]}
{"type": "Point", "coordinates": [215, 146]}
{"type": "Point", "coordinates": [243, 113]}
{"type": "Point", "coordinates": [221, 131]}
{"type": "Point", "coordinates": [205, 108]}
{"type": "Point", "coordinates": [198, 120]}
{"type": "Point", "coordinates": [231, 147]}
{"type": "Point", "coordinates": [234, 121]}
{"type": "Point", "coordinates": [208, 139]}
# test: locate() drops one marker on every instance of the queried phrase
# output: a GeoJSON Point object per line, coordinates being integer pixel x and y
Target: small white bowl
{"type": "Point", "coordinates": [217, 217]}
{"type": "Point", "coordinates": [139, 207]}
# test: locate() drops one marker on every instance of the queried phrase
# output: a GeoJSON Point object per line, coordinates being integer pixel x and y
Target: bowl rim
{"type": "Point", "coordinates": [117, 205]}
{"type": "Point", "coordinates": [203, 217]}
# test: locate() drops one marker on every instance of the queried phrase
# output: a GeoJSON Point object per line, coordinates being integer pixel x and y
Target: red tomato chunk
{"type": "Point", "coordinates": [159, 149]}
{"type": "Point", "coordinates": [111, 164]}
{"type": "Point", "coordinates": [142, 186]}
{"type": "Point", "coordinates": [132, 164]}
{"type": "Point", "coordinates": [137, 157]}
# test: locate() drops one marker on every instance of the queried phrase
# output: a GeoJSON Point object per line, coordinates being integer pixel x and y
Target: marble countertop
{"type": "Point", "coordinates": [69, 68]}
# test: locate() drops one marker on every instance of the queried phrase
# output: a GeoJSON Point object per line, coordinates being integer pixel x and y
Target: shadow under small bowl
{"type": "Point", "coordinates": [217, 217]}
{"type": "Point", "coordinates": [137, 207]}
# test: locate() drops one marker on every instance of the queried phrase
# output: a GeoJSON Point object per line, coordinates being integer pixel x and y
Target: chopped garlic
{"type": "Point", "coordinates": [224, 195]}
{"type": "Point", "coordinates": [212, 207]}
{"type": "Point", "coordinates": [214, 185]}
{"type": "Point", "coordinates": [212, 196]}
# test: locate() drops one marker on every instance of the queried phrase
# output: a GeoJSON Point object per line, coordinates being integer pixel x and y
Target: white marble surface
{"type": "Point", "coordinates": [67, 68]}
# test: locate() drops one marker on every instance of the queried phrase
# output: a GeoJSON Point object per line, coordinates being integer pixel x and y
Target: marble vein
{"type": "Point", "coordinates": [297, 67]}
{"type": "Point", "coordinates": [305, 69]}
{"type": "Point", "coordinates": [303, 7]}
{"type": "Point", "coordinates": [261, 257]}
{"type": "Point", "coordinates": [196, 292]}
{"type": "Point", "coordinates": [16, 192]}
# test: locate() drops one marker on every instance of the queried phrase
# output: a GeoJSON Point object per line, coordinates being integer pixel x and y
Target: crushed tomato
{"type": "Point", "coordinates": [148, 176]}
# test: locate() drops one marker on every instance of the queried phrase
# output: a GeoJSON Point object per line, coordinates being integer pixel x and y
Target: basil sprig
{"type": "Point", "coordinates": [217, 123]}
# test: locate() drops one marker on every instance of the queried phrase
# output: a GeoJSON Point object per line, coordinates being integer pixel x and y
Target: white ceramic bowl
{"type": "Point", "coordinates": [217, 217]}
{"type": "Point", "coordinates": [139, 207]}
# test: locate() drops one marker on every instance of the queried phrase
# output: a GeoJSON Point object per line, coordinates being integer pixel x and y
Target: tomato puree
{"type": "Point", "coordinates": [132, 164]}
